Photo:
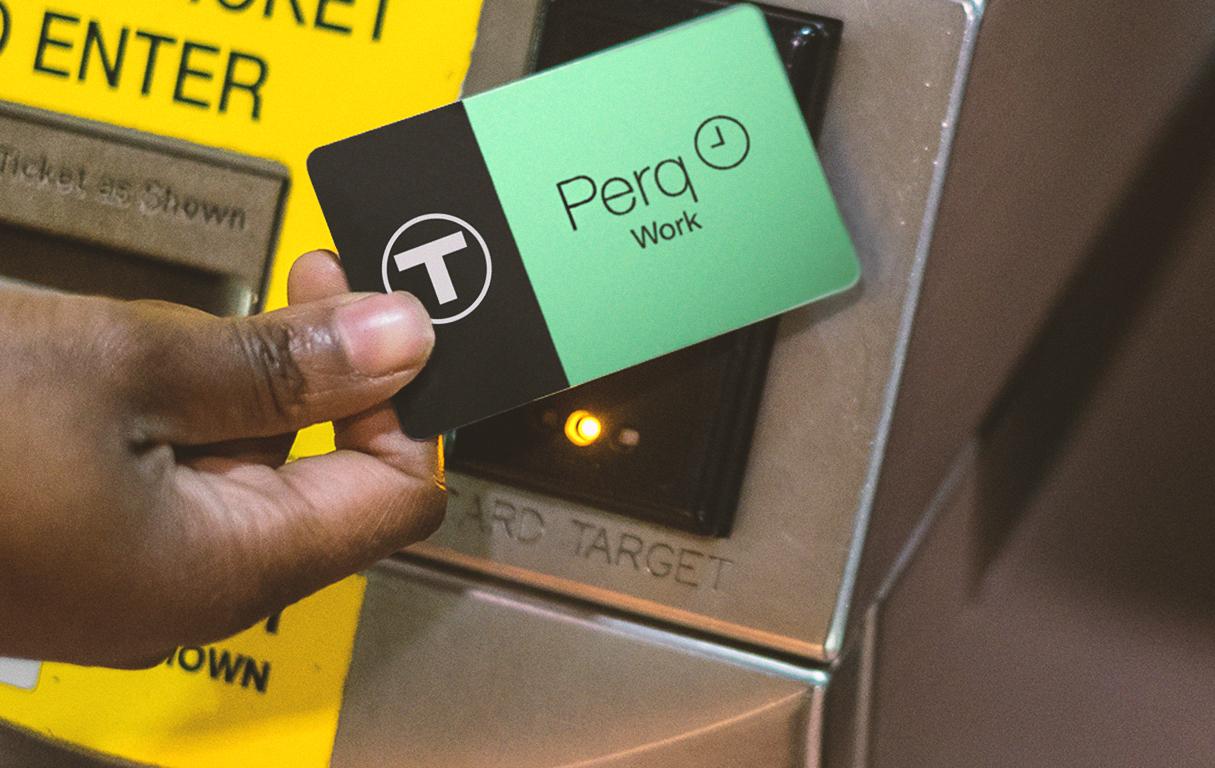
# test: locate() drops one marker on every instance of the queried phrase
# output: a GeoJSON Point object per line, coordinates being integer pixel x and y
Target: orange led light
{"type": "Point", "coordinates": [583, 428]}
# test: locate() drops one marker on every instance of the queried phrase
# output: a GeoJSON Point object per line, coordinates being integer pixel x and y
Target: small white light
{"type": "Point", "coordinates": [628, 438]}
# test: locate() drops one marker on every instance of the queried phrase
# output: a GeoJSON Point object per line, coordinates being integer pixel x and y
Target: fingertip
{"type": "Point", "coordinates": [322, 257]}
{"type": "Point", "coordinates": [385, 334]}
{"type": "Point", "coordinates": [314, 276]}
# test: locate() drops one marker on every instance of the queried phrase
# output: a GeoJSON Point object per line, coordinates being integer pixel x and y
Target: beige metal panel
{"type": "Point", "coordinates": [1058, 612]}
{"type": "Point", "coordinates": [450, 672]}
{"type": "Point", "coordinates": [136, 193]}
{"type": "Point", "coordinates": [782, 578]}
{"type": "Point", "coordinates": [1064, 101]}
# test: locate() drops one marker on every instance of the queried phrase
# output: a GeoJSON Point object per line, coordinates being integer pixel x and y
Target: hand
{"type": "Point", "coordinates": [144, 502]}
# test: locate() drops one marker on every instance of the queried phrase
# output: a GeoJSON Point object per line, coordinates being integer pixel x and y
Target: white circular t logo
{"type": "Point", "coordinates": [441, 259]}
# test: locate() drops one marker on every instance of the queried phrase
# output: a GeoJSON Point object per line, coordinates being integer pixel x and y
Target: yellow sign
{"type": "Point", "coordinates": [269, 78]}
{"type": "Point", "coordinates": [272, 79]}
{"type": "Point", "coordinates": [267, 697]}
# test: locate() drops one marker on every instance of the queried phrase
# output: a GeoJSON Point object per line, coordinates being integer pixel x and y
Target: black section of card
{"type": "Point", "coordinates": [498, 355]}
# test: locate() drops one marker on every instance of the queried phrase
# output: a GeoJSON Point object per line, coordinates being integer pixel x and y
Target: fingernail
{"type": "Point", "coordinates": [385, 333]}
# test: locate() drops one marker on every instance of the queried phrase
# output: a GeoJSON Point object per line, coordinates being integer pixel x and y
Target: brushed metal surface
{"type": "Point", "coordinates": [783, 578]}
{"type": "Point", "coordinates": [1065, 101]}
{"type": "Point", "coordinates": [1058, 608]}
{"type": "Point", "coordinates": [136, 193]}
{"type": "Point", "coordinates": [451, 672]}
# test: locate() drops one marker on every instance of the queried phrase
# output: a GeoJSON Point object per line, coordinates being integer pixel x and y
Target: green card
{"type": "Point", "coordinates": [591, 217]}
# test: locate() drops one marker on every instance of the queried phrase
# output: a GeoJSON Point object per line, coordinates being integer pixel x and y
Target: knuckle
{"type": "Point", "coordinates": [131, 336]}
{"type": "Point", "coordinates": [119, 336]}
{"type": "Point", "coordinates": [269, 350]}
{"type": "Point", "coordinates": [125, 340]}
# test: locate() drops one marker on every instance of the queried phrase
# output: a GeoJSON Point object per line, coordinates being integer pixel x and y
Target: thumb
{"type": "Point", "coordinates": [207, 379]}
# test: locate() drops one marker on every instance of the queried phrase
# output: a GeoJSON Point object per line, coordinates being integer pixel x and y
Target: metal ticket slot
{"type": "Point", "coordinates": [930, 523]}
{"type": "Point", "coordinates": [91, 208]}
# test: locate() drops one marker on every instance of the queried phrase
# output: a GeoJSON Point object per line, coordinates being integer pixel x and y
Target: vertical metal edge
{"type": "Point", "coordinates": [814, 728]}
{"type": "Point", "coordinates": [272, 247]}
{"type": "Point", "coordinates": [859, 726]}
{"type": "Point", "coordinates": [863, 708]}
{"type": "Point", "coordinates": [832, 646]}
{"type": "Point", "coordinates": [477, 35]}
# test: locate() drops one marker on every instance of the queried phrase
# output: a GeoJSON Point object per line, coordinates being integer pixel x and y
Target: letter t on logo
{"type": "Point", "coordinates": [432, 255]}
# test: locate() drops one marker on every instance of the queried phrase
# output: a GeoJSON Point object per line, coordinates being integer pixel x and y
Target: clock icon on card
{"type": "Point", "coordinates": [722, 142]}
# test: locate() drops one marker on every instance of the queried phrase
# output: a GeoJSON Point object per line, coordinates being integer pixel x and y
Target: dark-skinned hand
{"type": "Point", "coordinates": [144, 499]}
